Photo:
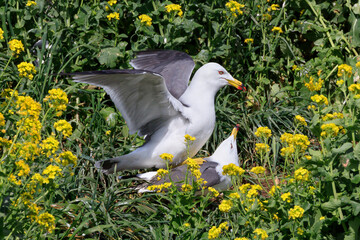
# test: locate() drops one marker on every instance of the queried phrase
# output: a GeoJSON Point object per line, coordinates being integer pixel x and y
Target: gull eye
{"type": "Point", "coordinates": [221, 72]}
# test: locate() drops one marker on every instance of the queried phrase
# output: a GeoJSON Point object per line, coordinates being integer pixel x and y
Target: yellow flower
{"type": "Point", "coordinates": [322, 218]}
{"type": "Point", "coordinates": [2, 120]}
{"type": "Point", "coordinates": [260, 233]}
{"type": "Point", "coordinates": [266, 17]}
{"type": "Point", "coordinates": [273, 189]}
{"type": "Point", "coordinates": [167, 157]}
{"type": "Point", "coordinates": [186, 187]}
{"type": "Point", "coordinates": [273, 7]}
{"type": "Point", "coordinates": [30, 127]}
{"type": "Point", "coordinates": [161, 173]}
{"type": "Point", "coordinates": [234, 195]}
{"type": "Point", "coordinates": [244, 187]}
{"type": "Point", "coordinates": [64, 127]}
{"type": "Point", "coordinates": [67, 158]}
{"type": "Point", "coordinates": [287, 151]}
{"type": "Point", "coordinates": [159, 187]}
{"type": "Point", "coordinates": [49, 146]}
{"type": "Point", "coordinates": [224, 225]}
{"type": "Point", "coordinates": [311, 107]}
{"type": "Point", "coordinates": [108, 132]}
{"type": "Point", "coordinates": [1, 34]}
{"type": "Point", "coordinates": [312, 190]}
{"type": "Point", "coordinates": [242, 238]}
{"type": "Point", "coordinates": [330, 116]}
{"type": "Point", "coordinates": [58, 100]}
{"type": "Point", "coordinates": [307, 157]}
{"type": "Point", "coordinates": [52, 171]}
{"type": "Point", "coordinates": [357, 64]}
{"type": "Point", "coordinates": [340, 82]}
{"type": "Point", "coordinates": [286, 197]}
{"type": "Point", "coordinates": [314, 86]}
{"type": "Point", "coordinates": [253, 192]}
{"type": "Point", "coordinates": [16, 47]}
{"type": "Point", "coordinates": [28, 107]}
{"type": "Point", "coordinates": [37, 178]}
{"type": "Point", "coordinates": [276, 217]}
{"type": "Point", "coordinates": [296, 212]}
{"type": "Point", "coordinates": [320, 99]}
{"type": "Point", "coordinates": [189, 138]}
{"type": "Point", "coordinates": [262, 148]}
{"type": "Point", "coordinates": [214, 232]}
{"type": "Point", "coordinates": [330, 130]}
{"type": "Point", "coordinates": [113, 15]}
{"type": "Point", "coordinates": [174, 8]}
{"type": "Point", "coordinates": [12, 178]}
{"type": "Point", "coordinates": [112, 2]}
{"type": "Point", "coordinates": [30, 3]}
{"type": "Point", "coordinates": [24, 168]}
{"type": "Point", "coordinates": [225, 205]}
{"type": "Point", "coordinates": [263, 132]}
{"type": "Point", "coordinates": [344, 69]}
{"type": "Point", "coordinates": [354, 88]}
{"type": "Point", "coordinates": [186, 225]}
{"type": "Point", "coordinates": [258, 170]}
{"type": "Point", "coordinates": [249, 40]}
{"type": "Point", "coordinates": [300, 231]}
{"type": "Point", "coordinates": [47, 221]}
{"type": "Point", "coordinates": [213, 191]}
{"type": "Point", "coordinates": [302, 174]}
{"type": "Point", "coordinates": [235, 8]}
{"type": "Point", "coordinates": [300, 120]}
{"type": "Point", "coordinates": [232, 170]}
{"type": "Point", "coordinates": [277, 29]}
{"type": "Point", "coordinates": [294, 67]}
{"type": "Point", "coordinates": [145, 19]}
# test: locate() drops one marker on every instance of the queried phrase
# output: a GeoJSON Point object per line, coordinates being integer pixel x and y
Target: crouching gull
{"type": "Point", "coordinates": [154, 100]}
{"type": "Point", "coordinates": [211, 169]}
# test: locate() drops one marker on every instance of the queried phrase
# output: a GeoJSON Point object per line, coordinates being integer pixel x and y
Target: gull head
{"type": "Point", "coordinates": [216, 75]}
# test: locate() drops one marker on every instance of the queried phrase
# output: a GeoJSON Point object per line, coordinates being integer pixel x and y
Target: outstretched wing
{"type": "Point", "coordinates": [176, 67]}
{"type": "Point", "coordinates": [141, 96]}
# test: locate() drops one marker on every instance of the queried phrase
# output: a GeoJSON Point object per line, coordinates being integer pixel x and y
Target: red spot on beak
{"type": "Point", "coordinates": [242, 88]}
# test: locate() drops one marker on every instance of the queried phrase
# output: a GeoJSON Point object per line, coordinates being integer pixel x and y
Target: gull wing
{"type": "Point", "coordinates": [141, 96]}
{"type": "Point", "coordinates": [176, 67]}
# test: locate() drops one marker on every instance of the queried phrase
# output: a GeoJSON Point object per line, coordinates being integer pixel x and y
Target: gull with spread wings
{"type": "Point", "coordinates": [157, 102]}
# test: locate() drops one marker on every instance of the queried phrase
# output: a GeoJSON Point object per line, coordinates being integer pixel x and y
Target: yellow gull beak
{"type": "Point", "coordinates": [235, 131]}
{"type": "Point", "coordinates": [237, 84]}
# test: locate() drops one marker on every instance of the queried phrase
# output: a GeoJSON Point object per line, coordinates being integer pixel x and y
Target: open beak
{"type": "Point", "coordinates": [235, 131]}
{"type": "Point", "coordinates": [237, 84]}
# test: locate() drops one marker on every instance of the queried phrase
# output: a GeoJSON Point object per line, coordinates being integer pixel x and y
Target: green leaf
{"type": "Point", "coordinates": [353, 232]}
{"type": "Point", "coordinates": [345, 147]}
{"type": "Point", "coordinates": [331, 205]}
{"type": "Point", "coordinates": [109, 115]}
{"type": "Point", "coordinates": [356, 179]}
{"type": "Point", "coordinates": [109, 56]}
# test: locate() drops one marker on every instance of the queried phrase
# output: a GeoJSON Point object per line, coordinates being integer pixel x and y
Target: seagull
{"type": "Point", "coordinates": [211, 168]}
{"type": "Point", "coordinates": [156, 101]}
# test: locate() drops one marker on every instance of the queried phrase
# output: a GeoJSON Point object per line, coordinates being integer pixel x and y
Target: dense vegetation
{"type": "Point", "coordinates": [299, 119]}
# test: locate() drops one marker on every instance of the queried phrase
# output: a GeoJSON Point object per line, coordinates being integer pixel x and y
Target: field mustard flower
{"type": "Point", "coordinates": [260, 233]}
{"type": "Point", "coordinates": [28, 107]}
{"type": "Point", "coordinates": [37, 178]}
{"type": "Point", "coordinates": [242, 238]}
{"type": "Point", "coordinates": [52, 171]}
{"type": "Point", "coordinates": [214, 192]}
{"type": "Point", "coordinates": [1, 34]}
{"type": "Point", "coordinates": [30, 3]}
{"type": "Point", "coordinates": [266, 17]}
{"type": "Point", "coordinates": [30, 128]}
{"type": "Point", "coordinates": [277, 29]}
{"type": "Point", "coordinates": [330, 116]}
{"type": "Point", "coordinates": [16, 47]}
{"type": "Point", "coordinates": [145, 19]}
{"type": "Point", "coordinates": [234, 195]}
{"type": "Point", "coordinates": [24, 168]}
{"type": "Point", "coordinates": [357, 64]}
{"type": "Point", "coordinates": [273, 189]}
{"type": "Point", "coordinates": [344, 69]}
{"type": "Point", "coordinates": [340, 82]}
{"type": "Point", "coordinates": [64, 127]}
{"type": "Point", "coordinates": [225, 205]}
{"type": "Point", "coordinates": [308, 157]}
{"type": "Point", "coordinates": [159, 187]}
{"type": "Point", "coordinates": [273, 7]}
{"type": "Point", "coordinates": [276, 217]}
{"type": "Point", "coordinates": [258, 170]}
{"type": "Point", "coordinates": [26, 70]}
{"type": "Point", "coordinates": [112, 2]}
{"type": "Point", "coordinates": [331, 130]}
{"type": "Point", "coordinates": [232, 170]}
{"type": "Point", "coordinates": [224, 225]}
{"type": "Point", "coordinates": [300, 120]}
{"type": "Point", "coordinates": [2, 120]}
{"type": "Point", "coordinates": [300, 142]}
{"type": "Point", "coordinates": [320, 99]}
{"type": "Point", "coordinates": [296, 212]}
{"type": "Point", "coordinates": [243, 188]}
{"type": "Point", "coordinates": [300, 231]}
{"type": "Point", "coordinates": [262, 148]}
{"type": "Point", "coordinates": [113, 15]}
{"type": "Point", "coordinates": [162, 173]}
{"type": "Point", "coordinates": [58, 100]}
{"type": "Point", "coordinates": [354, 88]}
{"type": "Point", "coordinates": [263, 132]}
{"type": "Point", "coordinates": [174, 8]}
{"type": "Point", "coordinates": [249, 40]}
{"type": "Point", "coordinates": [214, 232]}
{"type": "Point", "coordinates": [286, 197]}
{"type": "Point", "coordinates": [189, 138]}
{"type": "Point", "coordinates": [314, 86]}
{"type": "Point", "coordinates": [108, 132]}
{"type": "Point", "coordinates": [47, 221]}
{"type": "Point", "coordinates": [186, 187]}
{"type": "Point", "coordinates": [322, 218]}
{"type": "Point", "coordinates": [253, 192]}
{"type": "Point", "coordinates": [167, 157]}
{"type": "Point", "coordinates": [302, 174]}
{"type": "Point", "coordinates": [235, 8]}
{"type": "Point", "coordinates": [287, 151]}
{"type": "Point", "coordinates": [66, 158]}
{"type": "Point", "coordinates": [12, 178]}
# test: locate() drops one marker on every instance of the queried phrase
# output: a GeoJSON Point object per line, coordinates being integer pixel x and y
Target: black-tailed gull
{"type": "Point", "coordinates": [211, 169]}
{"type": "Point", "coordinates": [154, 100]}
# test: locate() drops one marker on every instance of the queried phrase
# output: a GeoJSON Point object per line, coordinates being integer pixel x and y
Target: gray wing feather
{"type": "Point", "coordinates": [176, 67]}
{"type": "Point", "coordinates": [141, 97]}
